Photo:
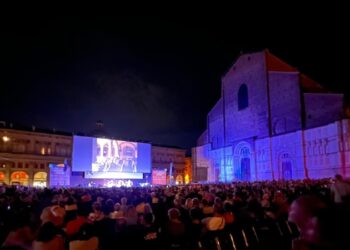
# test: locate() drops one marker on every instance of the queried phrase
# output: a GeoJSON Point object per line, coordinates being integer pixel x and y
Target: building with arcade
{"type": "Point", "coordinates": [37, 157]}
{"type": "Point", "coordinates": [26, 154]}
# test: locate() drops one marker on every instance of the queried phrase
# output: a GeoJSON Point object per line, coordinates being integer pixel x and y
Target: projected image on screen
{"type": "Point", "coordinates": [116, 156]}
{"type": "Point", "coordinates": [107, 158]}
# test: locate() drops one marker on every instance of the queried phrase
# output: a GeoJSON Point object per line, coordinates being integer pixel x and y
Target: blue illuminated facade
{"type": "Point", "coordinates": [272, 122]}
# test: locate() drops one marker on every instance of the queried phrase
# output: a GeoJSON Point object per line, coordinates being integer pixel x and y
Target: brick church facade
{"type": "Point", "coordinates": [272, 122]}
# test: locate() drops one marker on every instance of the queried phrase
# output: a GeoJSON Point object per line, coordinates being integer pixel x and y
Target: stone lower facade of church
{"type": "Point", "coordinates": [314, 153]}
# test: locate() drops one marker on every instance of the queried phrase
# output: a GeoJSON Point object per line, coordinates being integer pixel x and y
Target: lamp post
{"type": "Point", "coordinates": [5, 138]}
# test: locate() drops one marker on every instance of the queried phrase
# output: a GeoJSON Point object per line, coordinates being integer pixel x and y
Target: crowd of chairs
{"type": "Point", "coordinates": [273, 235]}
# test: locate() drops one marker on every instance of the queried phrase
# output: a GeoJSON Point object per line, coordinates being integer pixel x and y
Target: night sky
{"type": "Point", "coordinates": [146, 78]}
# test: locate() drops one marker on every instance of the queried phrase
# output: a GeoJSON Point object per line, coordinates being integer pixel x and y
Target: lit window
{"type": "Point", "coordinates": [49, 151]}
{"type": "Point", "coordinates": [42, 151]}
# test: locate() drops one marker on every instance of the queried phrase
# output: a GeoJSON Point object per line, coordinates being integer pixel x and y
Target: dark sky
{"type": "Point", "coordinates": [147, 78]}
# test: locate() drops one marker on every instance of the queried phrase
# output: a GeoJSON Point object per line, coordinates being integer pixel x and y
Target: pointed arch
{"type": "Point", "coordinates": [243, 161]}
{"type": "Point", "coordinates": [285, 165]}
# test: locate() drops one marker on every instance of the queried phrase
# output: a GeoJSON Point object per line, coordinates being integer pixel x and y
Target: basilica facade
{"type": "Point", "coordinates": [272, 122]}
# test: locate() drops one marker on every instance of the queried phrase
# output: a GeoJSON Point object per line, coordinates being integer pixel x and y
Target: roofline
{"type": "Point", "coordinates": [38, 131]}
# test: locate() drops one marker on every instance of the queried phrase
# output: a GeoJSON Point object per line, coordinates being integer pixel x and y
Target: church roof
{"type": "Point", "coordinates": [310, 85]}
{"type": "Point", "coordinates": [273, 63]}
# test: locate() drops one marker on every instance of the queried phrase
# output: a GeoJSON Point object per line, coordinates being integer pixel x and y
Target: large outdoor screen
{"type": "Point", "coordinates": [99, 156]}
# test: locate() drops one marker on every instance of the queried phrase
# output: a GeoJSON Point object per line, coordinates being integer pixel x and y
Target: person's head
{"type": "Point", "coordinates": [266, 197]}
{"type": "Point", "coordinates": [188, 203]}
{"type": "Point", "coordinates": [86, 197]}
{"type": "Point", "coordinates": [338, 177]}
{"type": "Point", "coordinates": [195, 202]}
{"type": "Point", "coordinates": [326, 230]}
{"type": "Point", "coordinates": [195, 214]}
{"type": "Point", "coordinates": [279, 196]}
{"type": "Point", "coordinates": [47, 232]}
{"type": "Point", "coordinates": [173, 214]}
{"type": "Point", "coordinates": [227, 207]}
{"type": "Point", "coordinates": [54, 214]}
{"type": "Point", "coordinates": [124, 200]}
{"type": "Point", "coordinates": [117, 207]}
{"type": "Point", "coordinates": [177, 202]}
{"type": "Point", "coordinates": [218, 209]}
{"type": "Point", "coordinates": [205, 202]}
{"type": "Point", "coordinates": [217, 200]}
{"type": "Point", "coordinates": [109, 203]}
{"type": "Point", "coordinates": [303, 210]}
{"type": "Point", "coordinates": [96, 206]}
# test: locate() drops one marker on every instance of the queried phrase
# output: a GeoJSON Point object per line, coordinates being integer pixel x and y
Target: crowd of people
{"type": "Point", "coordinates": [298, 215]}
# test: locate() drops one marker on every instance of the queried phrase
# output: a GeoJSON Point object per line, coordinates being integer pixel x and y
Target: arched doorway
{"type": "Point", "coordinates": [19, 178]}
{"type": "Point", "coordinates": [245, 164]}
{"type": "Point", "coordinates": [286, 166]}
{"type": "Point", "coordinates": [187, 179]}
{"type": "Point", "coordinates": [40, 179]}
{"type": "Point", "coordinates": [242, 156]}
{"type": "Point", "coordinates": [179, 180]}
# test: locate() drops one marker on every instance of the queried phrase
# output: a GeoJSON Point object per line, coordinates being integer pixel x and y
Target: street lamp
{"type": "Point", "coordinates": [5, 138]}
